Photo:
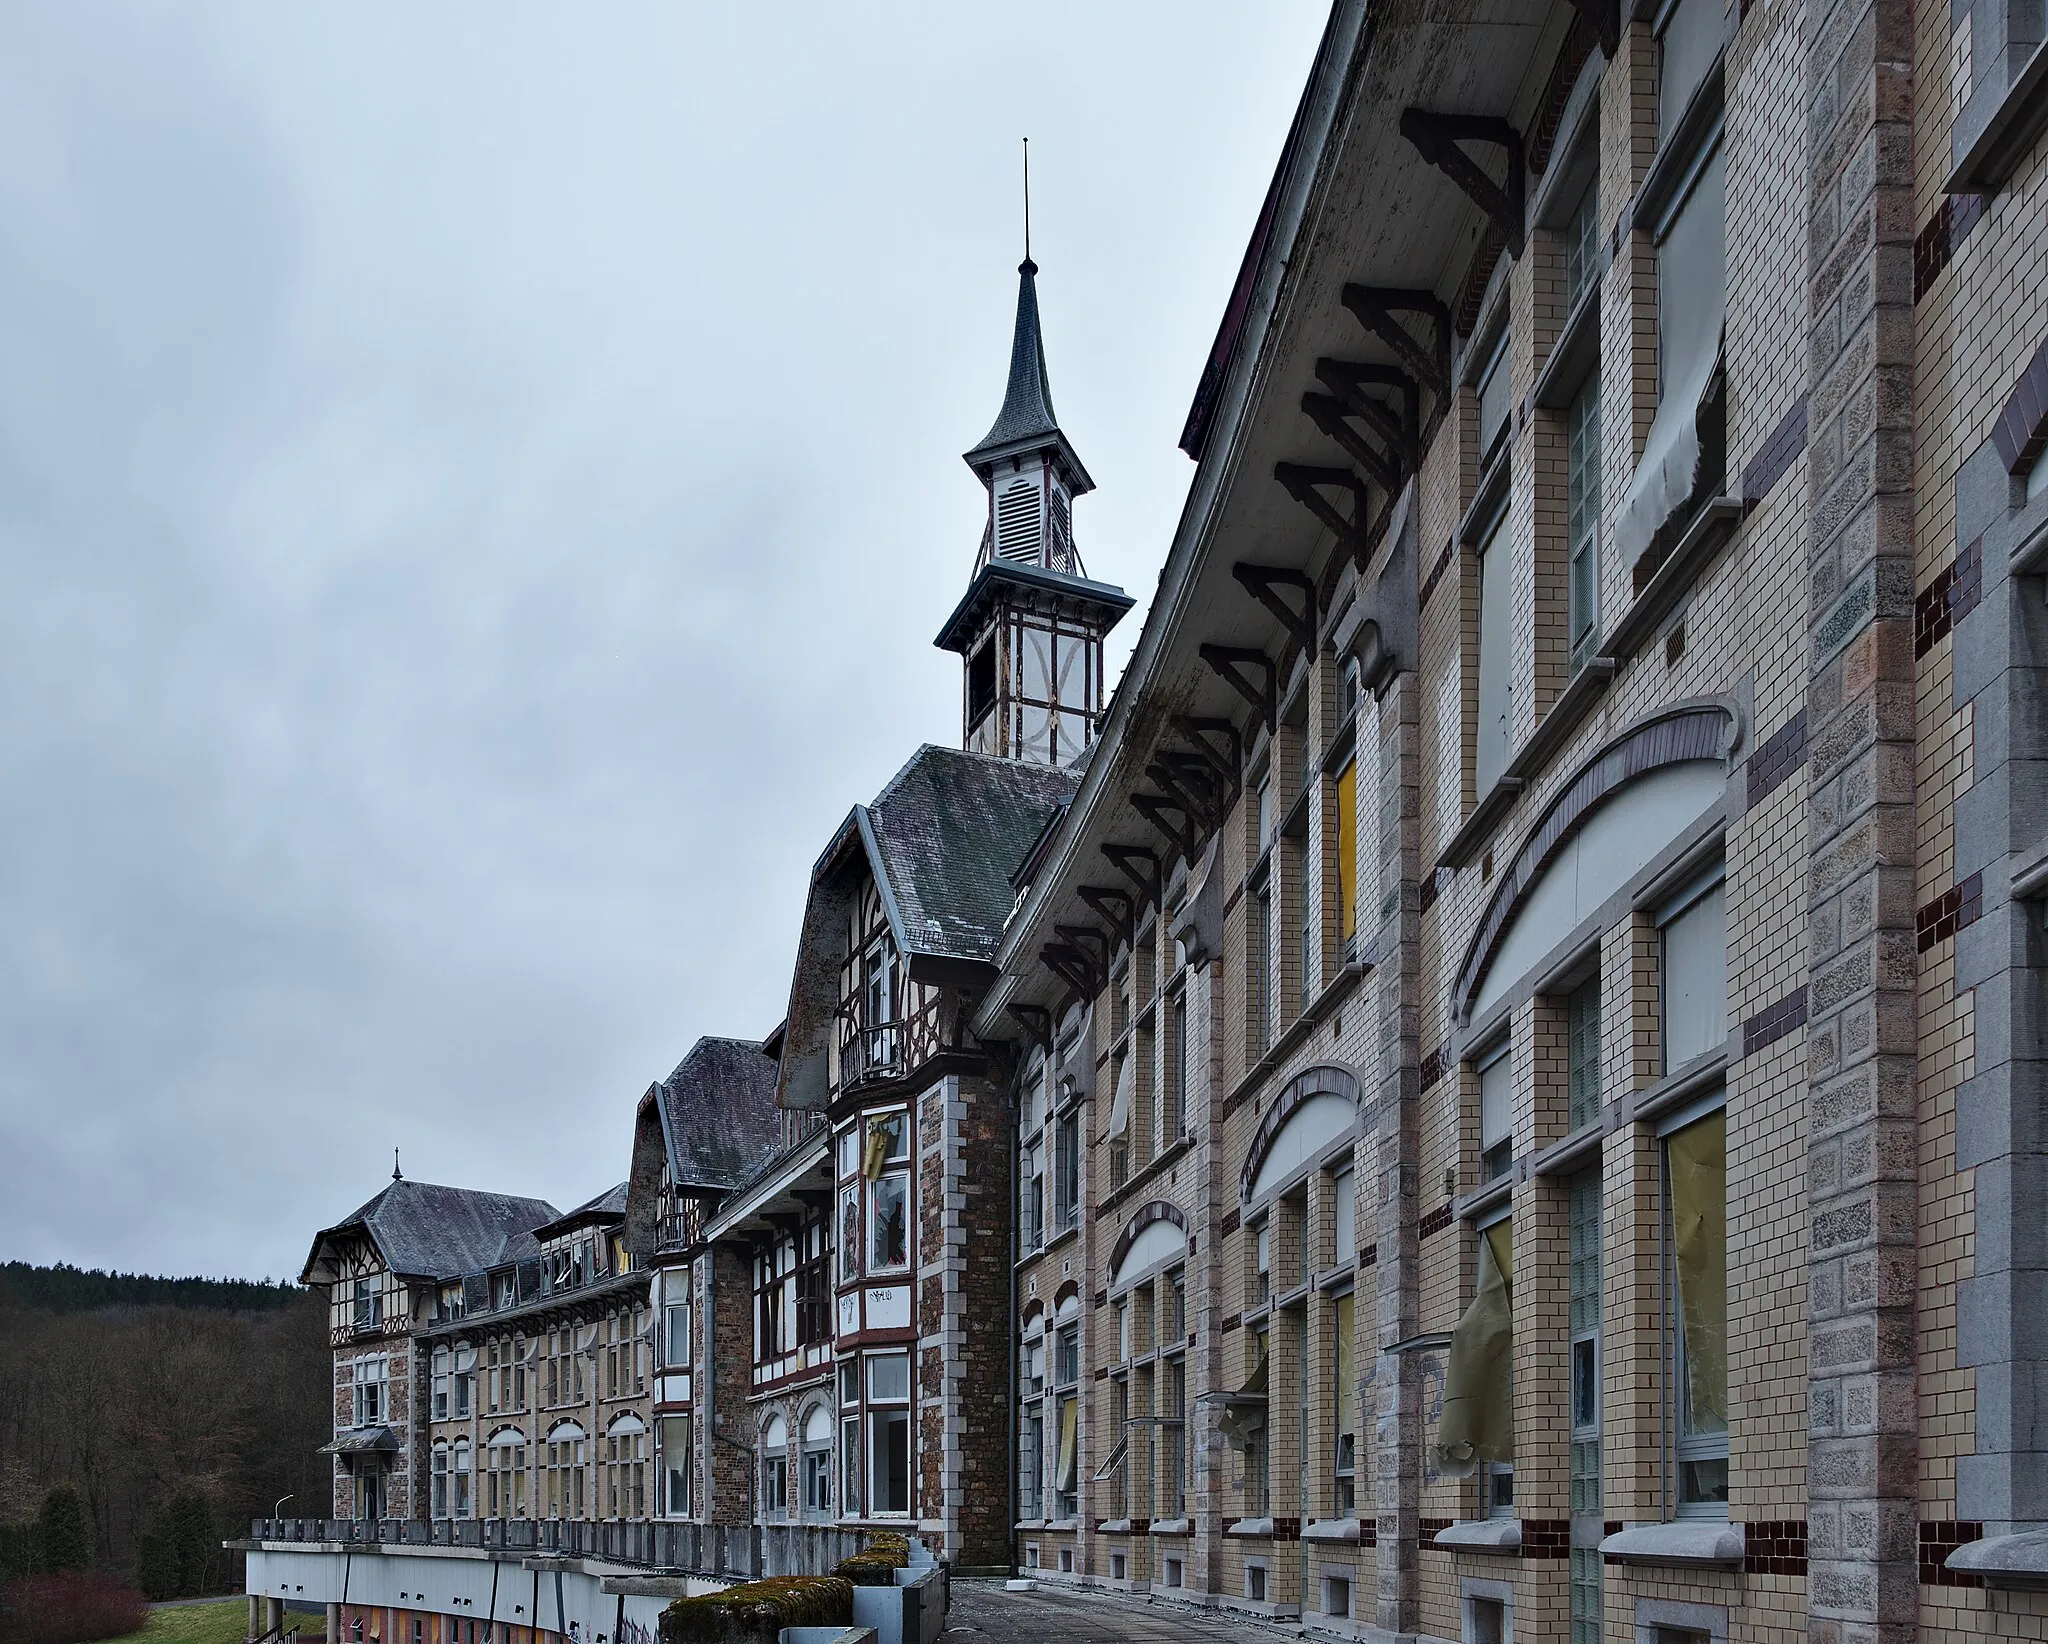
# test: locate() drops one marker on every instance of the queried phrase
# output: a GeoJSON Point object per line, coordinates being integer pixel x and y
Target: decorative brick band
{"type": "Point", "coordinates": [1939, 1538]}
{"type": "Point", "coordinates": [1952, 595]}
{"type": "Point", "coordinates": [1430, 889]}
{"type": "Point", "coordinates": [1960, 905]}
{"type": "Point", "coordinates": [1369, 1256]}
{"type": "Point", "coordinates": [1432, 1068]}
{"type": "Point", "coordinates": [1776, 758]}
{"type": "Point", "coordinates": [1546, 1538]}
{"type": "Point", "coordinates": [2022, 427]}
{"type": "Point", "coordinates": [1230, 1221]}
{"type": "Point", "coordinates": [1435, 1222]}
{"type": "Point", "coordinates": [1234, 1322]}
{"type": "Point", "coordinates": [1774, 459]}
{"type": "Point", "coordinates": [1773, 1022]}
{"type": "Point", "coordinates": [1429, 1528]}
{"type": "Point", "coordinates": [1436, 571]}
{"type": "Point", "coordinates": [1369, 1533]}
{"type": "Point", "coordinates": [1774, 1546]}
{"type": "Point", "coordinates": [1935, 246]}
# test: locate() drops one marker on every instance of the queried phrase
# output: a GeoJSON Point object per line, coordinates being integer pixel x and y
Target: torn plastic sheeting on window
{"type": "Point", "coordinates": [1478, 1421]}
{"type": "Point", "coordinates": [1692, 303]}
{"type": "Point", "coordinates": [1244, 1412]}
{"type": "Point", "coordinates": [1120, 1099]}
{"type": "Point", "coordinates": [1064, 1473]}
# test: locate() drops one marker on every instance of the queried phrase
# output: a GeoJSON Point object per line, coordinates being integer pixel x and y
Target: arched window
{"type": "Point", "coordinates": [566, 1457]}
{"type": "Point", "coordinates": [505, 1474]}
{"type": "Point", "coordinates": [775, 1468]}
{"type": "Point", "coordinates": [440, 1481]}
{"type": "Point", "coordinates": [816, 1465]}
{"type": "Point", "coordinates": [625, 1468]}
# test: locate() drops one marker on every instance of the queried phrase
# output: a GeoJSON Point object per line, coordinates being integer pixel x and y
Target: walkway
{"type": "Point", "coordinates": [983, 1613]}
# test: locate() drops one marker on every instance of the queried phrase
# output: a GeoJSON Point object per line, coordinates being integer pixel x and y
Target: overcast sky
{"type": "Point", "coordinates": [477, 488]}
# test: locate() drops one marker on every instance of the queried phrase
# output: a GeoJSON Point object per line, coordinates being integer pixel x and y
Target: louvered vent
{"type": "Point", "coordinates": [1017, 521]}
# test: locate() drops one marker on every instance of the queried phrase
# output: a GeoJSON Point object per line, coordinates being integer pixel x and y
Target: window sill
{"type": "Point", "coordinates": [1489, 498]}
{"type": "Point", "coordinates": [1482, 1535]}
{"type": "Point", "coordinates": [1682, 1543]}
{"type": "Point", "coordinates": [1991, 159]}
{"type": "Point", "coordinates": [1251, 1527]}
{"type": "Point", "coordinates": [1675, 1089]}
{"type": "Point", "coordinates": [1331, 1529]}
{"type": "Point", "coordinates": [1576, 353]}
{"type": "Point", "coordinates": [2004, 1561]}
{"type": "Point", "coordinates": [1661, 594]}
{"type": "Point", "coordinates": [1173, 1527]}
{"type": "Point", "coordinates": [1676, 154]}
{"type": "Point", "coordinates": [1460, 847]}
{"type": "Point", "coordinates": [1488, 1197]}
{"type": "Point", "coordinates": [1582, 1146]}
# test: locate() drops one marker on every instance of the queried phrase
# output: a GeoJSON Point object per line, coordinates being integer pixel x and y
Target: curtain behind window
{"type": "Point", "coordinates": [1478, 1421]}
{"type": "Point", "coordinates": [1692, 301]}
{"type": "Point", "coordinates": [1697, 1162]}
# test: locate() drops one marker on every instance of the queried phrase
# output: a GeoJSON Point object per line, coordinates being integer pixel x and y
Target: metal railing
{"type": "Point", "coordinates": [739, 1550]}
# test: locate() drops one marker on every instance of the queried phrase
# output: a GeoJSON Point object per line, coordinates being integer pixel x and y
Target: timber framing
{"type": "Point", "coordinates": [1437, 138]}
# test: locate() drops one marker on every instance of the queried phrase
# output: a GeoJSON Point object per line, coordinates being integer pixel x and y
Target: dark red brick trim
{"type": "Point", "coordinates": [1141, 1218]}
{"type": "Point", "coordinates": [1774, 1546]}
{"type": "Point", "coordinates": [1230, 1221]}
{"type": "Point", "coordinates": [1428, 1528]}
{"type": "Point", "coordinates": [1436, 1221]}
{"type": "Point", "coordinates": [1958, 906]}
{"type": "Point", "coordinates": [1321, 1080]}
{"type": "Point", "coordinates": [1935, 246]}
{"type": "Point", "coordinates": [1939, 1538]}
{"type": "Point", "coordinates": [1955, 592]}
{"type": "Point", "coordinates": [1432, 1068]}
{"type": "Point", "coordinates": [1369, 1256]}
{"type": "Point", "coordinates": [1774, 1021]}
{"type": "Point", "coordinates": [1436, 571]}
{"type": "Point", "coordinates": [1234, 1322]}
{"type": "Point", "coordinates": [1777, 757]}
{"type": "Point", "coordinates": [1774, 459]}
{"type": "Point", "coordinates": [1546, 1538]}
{"type": "Point", "coordinates": [2022, 427]}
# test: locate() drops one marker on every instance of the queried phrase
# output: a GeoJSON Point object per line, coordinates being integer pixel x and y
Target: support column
{"type": "Point", "coordinates": [1396, 1098]}
{"type": "Point", "coordinates": [255, 1617]}
{"type": "Point", "coordinates": [1862, 1163]}
{"type": "Point", "coordinates": [334, 1624]}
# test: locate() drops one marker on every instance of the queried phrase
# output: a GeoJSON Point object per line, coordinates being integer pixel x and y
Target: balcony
{"type": "Point", "coordinates": [878, 1052]}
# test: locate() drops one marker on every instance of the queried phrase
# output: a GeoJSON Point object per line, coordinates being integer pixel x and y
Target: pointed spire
{"type": "Point", "coordinates": [1027, 405]}
{"type": "Point", "coordinates": [394, 1166]}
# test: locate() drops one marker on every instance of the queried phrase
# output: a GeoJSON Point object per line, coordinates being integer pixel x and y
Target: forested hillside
{"type": "Point", "coordinates": [138, 1392]}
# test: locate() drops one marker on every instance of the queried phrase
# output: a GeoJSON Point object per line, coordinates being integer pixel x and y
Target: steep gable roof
{"type": "Point", "coordinates": [422, 1230]}
{"type": "Point", "coordinates": [718, 1114]}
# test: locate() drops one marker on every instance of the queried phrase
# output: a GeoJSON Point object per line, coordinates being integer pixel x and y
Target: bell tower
{"type": "Point", "coordinates": [1030, 628]}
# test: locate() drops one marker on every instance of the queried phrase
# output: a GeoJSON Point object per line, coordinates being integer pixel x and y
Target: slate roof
{"type": "Point", "coordinates": [442, 1232]}
{"type": "Point", "coordinates": [947, 833]}
{"type": "Point", "coordinates": [718, 1114]}
{"type": "Point", "coordinates": [610, 1205]}
{"type": "Point", "coordinates": [1027, 405]}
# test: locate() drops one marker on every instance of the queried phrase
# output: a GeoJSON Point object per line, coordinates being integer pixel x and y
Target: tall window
{"type": "Point", "coordinates": [1031, 1195]}
{"type": "Point", "coordinates": [1496, 1113]}
{"type": "Point", "coordinates": [1496, 404]}
{"type": "Point", "coordinates": [1582, 520]}
{"type": "Point", "coordinates": [879, 1004]}
{"type": "Point", "coordinates": [1344, 1402]}
{"type": "Point", "coordinates": [1496, 658]}
{"type": "Point", "coordinates": [1582, 246]}
{"type": "Point", "coordinates": [369, 1299]}
{"type": "Point", "coordinates": [1170, 1485]}
{"type": "Point", "coordinates": [816, 1465]}
{"type": "Point", "coordinates": [676, 1440]}
{"type": "Point", "coordinates": [1582, 1052]}
{"type": "Point", "coordinates": [463, 1381]}
{"type": "Point", "coordinates": [850, 1496]}
{"type": "Point", "coordinates": [1031, 1428]}
{"type": "Point", "coordinates": [1693, 937]}
{"type": "Point", "coordinates": [1259, 966]}
{"type": "Point", "coordinates": [676, 1334]}
{"type": "Point", "coordinates": [1696, 1190]}
{"type": "Point", "coordinates": [443, 1373]}
{"type": "Point", "coordinates": [440, 1481]}
{"type": "Point", "coordinates": [1257, 1453]}
{"type": "Point", "coordinates": [1587, 1526]}
{"type": "Point", "coordinates": [775, 1468]}
{"type": "Point", "coordinates": [888, 1147]}
{"type": "Point", "coordinates": [372, 1391]}
{"type": "Point", "coordinates": [625, 1461]}
{"type": "Point", "coordinates": [459, 1477]}
{"type": "Point", "coordinates": [814, 1284]}
{"type": "Point", "coordinates": [1066, 1375]}
{"type": "Point", "coordinates": [888, 1433]}
{"type": "Point", "coordinates": [1066, 1144]}
{"type": "Point", "coordinates": [1173, 1088]}
{"type": "Point", "coordinates": [1347, 854]}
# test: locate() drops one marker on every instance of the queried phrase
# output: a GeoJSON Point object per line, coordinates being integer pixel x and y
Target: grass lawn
{"type": "Point", "coordinates": [224, 1623]}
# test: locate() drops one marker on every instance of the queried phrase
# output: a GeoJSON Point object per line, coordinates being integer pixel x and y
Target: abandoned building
{"type": "Point", "coordinates": [1491, 1089]}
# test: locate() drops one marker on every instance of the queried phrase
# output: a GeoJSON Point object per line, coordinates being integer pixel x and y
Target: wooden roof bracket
{"type": "Point", "coordinates": [1124, 858]}
{"type": "Point", "coordinates": [1197, 771]}
{"type": "Point", "coordinates": [1193, 804]}
{"type": "Point", "coordinates": [1079, 937]}
{"type": "Point", "coordinates": [1436, 138]}
{"type": "Point", "coordinates": [1328, 414]}
{"type": "Point", "coordinates": [1036, 1021]}
{"type": "Point", "coordinates": [1228, 663]}
{"type": "Point", "coordinates": [1305, 485]}
{"type": "Point", "coordinates": [1070, 965]}
{"type": "Point", "coordinates": [1260, 581]}
{"type": "Point", "coordinates": [1348, 380]}
{"type": "Point", "coordinates": [1199, 730]}
{"type": "Point", "coordinates": [1118, 907]}
{"type": "Point", "coordinates": [1152, 807]}
{"type": "Point", "coordinates": [1375, 306]}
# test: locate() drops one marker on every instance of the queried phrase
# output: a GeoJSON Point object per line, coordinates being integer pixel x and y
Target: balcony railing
{"type": "Point", "coordinates": [746, 1551]}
